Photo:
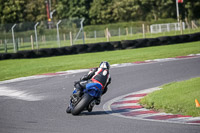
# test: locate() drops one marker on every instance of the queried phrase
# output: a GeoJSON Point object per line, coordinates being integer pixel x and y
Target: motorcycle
{"type": "Point", "coordinates": [86, 100]}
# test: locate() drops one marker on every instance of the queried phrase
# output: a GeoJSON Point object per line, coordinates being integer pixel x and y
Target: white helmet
{"type": "Point", "coordinates": [104, 64]}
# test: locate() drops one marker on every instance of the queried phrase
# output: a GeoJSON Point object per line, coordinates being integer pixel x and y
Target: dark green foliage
{"type": "Point", "coordinates": [97, 11]}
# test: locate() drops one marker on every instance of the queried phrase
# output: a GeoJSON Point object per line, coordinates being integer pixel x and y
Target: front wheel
{"type": "Point", "coordinates": [85, 101]}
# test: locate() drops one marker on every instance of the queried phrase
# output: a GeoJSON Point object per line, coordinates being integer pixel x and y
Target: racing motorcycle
{"type": "Point", "coordinates": [86, 100]}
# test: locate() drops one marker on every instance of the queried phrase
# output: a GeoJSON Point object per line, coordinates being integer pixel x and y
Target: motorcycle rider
{"type": "Point", "coordinates": [98, 75]}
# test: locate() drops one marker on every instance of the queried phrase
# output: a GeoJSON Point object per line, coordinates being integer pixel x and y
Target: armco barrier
{"type": "Point", "coordinates": [103, 46]}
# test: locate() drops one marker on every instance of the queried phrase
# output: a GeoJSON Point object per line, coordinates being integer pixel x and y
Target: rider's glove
{"type": "Point", "coordinates": [85, 77]}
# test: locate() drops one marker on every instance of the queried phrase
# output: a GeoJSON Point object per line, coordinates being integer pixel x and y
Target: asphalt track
{"type": "Point", "coordinates": [38, 105]}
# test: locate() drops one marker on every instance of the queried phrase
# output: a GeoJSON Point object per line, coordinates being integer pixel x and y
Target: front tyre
{"type": "Point", "coordinates": [85, 101]}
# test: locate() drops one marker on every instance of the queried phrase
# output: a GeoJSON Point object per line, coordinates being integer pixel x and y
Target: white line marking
{"type": "Point", "coordinates": [129, 99]}
{"type": "Point", "coordinates": [125, 104]}
{"type": "Point", "coordinates": [16, 94]}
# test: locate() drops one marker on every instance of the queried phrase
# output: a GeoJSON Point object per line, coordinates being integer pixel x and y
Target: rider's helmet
{"type": "Point", "coordinates": [104, 64]}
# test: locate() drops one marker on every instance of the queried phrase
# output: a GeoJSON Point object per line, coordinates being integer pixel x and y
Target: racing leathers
{"type": "Point", "coordinates": [95, 75]}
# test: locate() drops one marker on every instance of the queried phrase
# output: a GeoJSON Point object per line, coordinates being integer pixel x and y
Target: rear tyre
{"type": "Point", "coordinates": [85, 101]}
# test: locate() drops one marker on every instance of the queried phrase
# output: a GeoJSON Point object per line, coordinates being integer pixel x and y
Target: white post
{"type": "Point", "coordinates": [35, 27]}
{"type": "Point", "coordinates": [64, 37]}
{"type": "Point", "coordinates": [168, 27]}
{"type": "Point", "coordinates": [32, 43]}
{"type": "Point", "coordinates": [107, 35]}
{"type": "Point", "coordinates": [58, 37]}
{"type": "Point", "coordinates": [151, 28]}
{"type": "Point", "coordinates": [143, 28]}
{"type": "Point", "coordinates": [82, 30]}
{"type": "Point", "coordinates": [131, 31]}
{"type": "Point", "coordinates": [119, 33]}
{"type": "Point", "coordinates": [13, 35]}
{"type": "Point", "coordinates": [177, 10]}
{"type": "Point", "coordinates": [160, 29]}
{"type": "Point", "coordinates": [126, 31]}
{"type": "Point", "coordinates": [95, 34]}
{"type": "Point", "coordinates": [71, 39]}
{"type": "Point", "coordinates": [51, 13]}
{"type": "Point", "coordinates": [181, 27]}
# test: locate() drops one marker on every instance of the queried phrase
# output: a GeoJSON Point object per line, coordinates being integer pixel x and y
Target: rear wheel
{"type": "Point", "coordinates": [85, 101]}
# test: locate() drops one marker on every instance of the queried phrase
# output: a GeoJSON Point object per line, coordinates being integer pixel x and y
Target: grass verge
{"type": "Point", "coordinates": [176, 98]}
{"type": "Point", "coordinates": [25, 67]}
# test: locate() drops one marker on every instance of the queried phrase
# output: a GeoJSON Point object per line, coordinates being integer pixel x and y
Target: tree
{"type": "Point", "coordinates": [125, 10]}
{"type": "Point", "coordinates": [74, 8]}
{"type": "Point", "coordinates": [12, 11]}
{"type": "Point", "coordinates": [97, 12]}
{"type": "Point", "coordinates": [192, 9]}
{"type": "Point", "coordinates": [35, 11]}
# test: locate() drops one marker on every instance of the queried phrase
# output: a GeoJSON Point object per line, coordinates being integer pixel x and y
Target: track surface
{"type": "Point", "coordinates": [41, 107]}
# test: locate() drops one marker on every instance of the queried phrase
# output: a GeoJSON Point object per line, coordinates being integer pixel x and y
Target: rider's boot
{"type": "Point", "coordinates": [98, 101]}
{"type": "Point", "coordinates": [90, 106]}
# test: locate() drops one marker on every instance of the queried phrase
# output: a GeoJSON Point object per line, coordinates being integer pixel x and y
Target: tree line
{"type": "Point", "coordinates": [97, 11]}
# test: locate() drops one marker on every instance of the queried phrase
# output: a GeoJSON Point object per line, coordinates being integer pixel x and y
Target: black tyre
{"type": "Point", "coordinates": [82, 48]}
{"type": "Point", "coordinates": [94, 47]}
{"type": "Point", "coordinates": [128, 44]}
{"type": "Point", "coordinates": [153, 42]}
{"type": "Point", "coordinates": [85, 101]}
{"type": "Point", "coordinates": [68, 110]}
{"type": "Point", "coordinates": [165, 40]}
{"type": "Point", "coordinates": [117, 45]}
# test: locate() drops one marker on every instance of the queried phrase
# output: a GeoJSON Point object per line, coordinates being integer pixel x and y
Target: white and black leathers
{"type": "Point", "coordinates": [97, 75]}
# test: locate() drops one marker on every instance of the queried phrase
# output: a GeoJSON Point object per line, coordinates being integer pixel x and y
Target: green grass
{"type": "Point", "coordinates": [176, 98]}
{"type": "Point", "coordinates": [25, 67]}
